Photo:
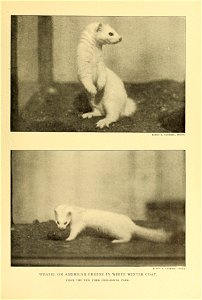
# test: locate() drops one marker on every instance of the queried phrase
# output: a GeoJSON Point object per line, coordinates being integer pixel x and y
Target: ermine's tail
{"type": "Point", "coordinates": [155, 235]}
{"type": "Point", "coordinates": [130, 108]}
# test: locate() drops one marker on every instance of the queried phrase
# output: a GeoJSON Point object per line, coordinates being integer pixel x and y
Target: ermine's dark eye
{"type": "Point", "coordinates": [58, 222]}
{"type": "Point", "coordinates": [65, 223]}
{"type": "Point", "coordinates": [111, 33]}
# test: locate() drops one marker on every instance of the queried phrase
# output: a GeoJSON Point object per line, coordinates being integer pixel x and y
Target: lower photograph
{"type": "Point", "coordinates": [98, 208]}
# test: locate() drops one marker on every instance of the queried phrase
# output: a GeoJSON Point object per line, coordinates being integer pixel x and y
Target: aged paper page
{"type": "Point", "coordinates": [102, 282]}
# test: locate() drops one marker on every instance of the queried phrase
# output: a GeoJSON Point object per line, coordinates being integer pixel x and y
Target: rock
{"type": "Point", "coordinates": [36, 222]}
{"type": "Point", "coordinates": [174, 121]}
{"type": "Point", "coordinates": [59, 235]}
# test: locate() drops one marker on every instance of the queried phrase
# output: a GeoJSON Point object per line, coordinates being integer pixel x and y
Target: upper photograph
{"type": "Point", "coordinates": [98, 74]}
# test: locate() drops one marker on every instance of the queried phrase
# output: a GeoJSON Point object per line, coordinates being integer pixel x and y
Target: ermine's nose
{"type": "Point", "coordinates": [120, 39]}
{"type": "Point", "coordinates": [61, 228]}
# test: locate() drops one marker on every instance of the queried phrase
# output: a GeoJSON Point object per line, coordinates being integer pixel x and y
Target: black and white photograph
{"type": "Point", "coordinates": [101, 149]}
{"type": "Point", "coordinates": [98, 73]}
{"type": "Point", "coordinates": [98, 208]}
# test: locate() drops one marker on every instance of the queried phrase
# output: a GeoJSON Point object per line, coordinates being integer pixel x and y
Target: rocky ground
{"type": "Point", "coordinates": [39, 241]}
{"type": "Point", "coordinates": [161, 109]}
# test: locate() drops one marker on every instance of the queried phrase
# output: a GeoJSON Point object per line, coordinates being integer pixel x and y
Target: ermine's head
{"type": "Point", "coordinates": [63, 216]}
{"type": "Point", "coordinates": [105, 34]}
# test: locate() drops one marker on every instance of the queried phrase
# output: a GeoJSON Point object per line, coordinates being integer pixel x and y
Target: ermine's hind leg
{"type": "Point", "coordinates": [121, 241]}
{"type": "Point", "coordinates": [124, 239]}
{"type": "Point", "coordinates": [107, 121]}
{"type": "Point", "coordinates": [113, 107]}
{"type": "Point", "coordinates": [95, 113]}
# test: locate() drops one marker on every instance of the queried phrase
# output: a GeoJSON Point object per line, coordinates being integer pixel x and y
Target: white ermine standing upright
{"type": "Point", "coordinates": [118, 226]}
{"type": "Point", "coordinates": [95, 76]}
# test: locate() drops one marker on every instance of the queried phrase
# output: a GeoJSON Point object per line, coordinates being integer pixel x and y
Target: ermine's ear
{"type": "Point", "coordinates": [99, 27]}
{"type": "Point", "coordinates": [55, 212]}
{"type": "Point", "coordinates": [69, 214]}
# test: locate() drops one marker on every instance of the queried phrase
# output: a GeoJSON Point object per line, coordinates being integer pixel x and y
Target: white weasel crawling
{"type": "Point", "coordinates": [118, 226]}
{"type": "Point", "coordinates": [95, 76]}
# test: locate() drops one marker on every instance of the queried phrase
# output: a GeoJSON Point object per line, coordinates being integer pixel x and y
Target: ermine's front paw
{"type": "Point", "coordinates": [103, 123]}
{"type": "Point", "coordinates": [69, 239]}
{"type": "Point", "coordinates": [88, 115]}
{"type": "Point", "coordinates": [101, 83]}
{"type": "Point", "coordinates": [91, 90]}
